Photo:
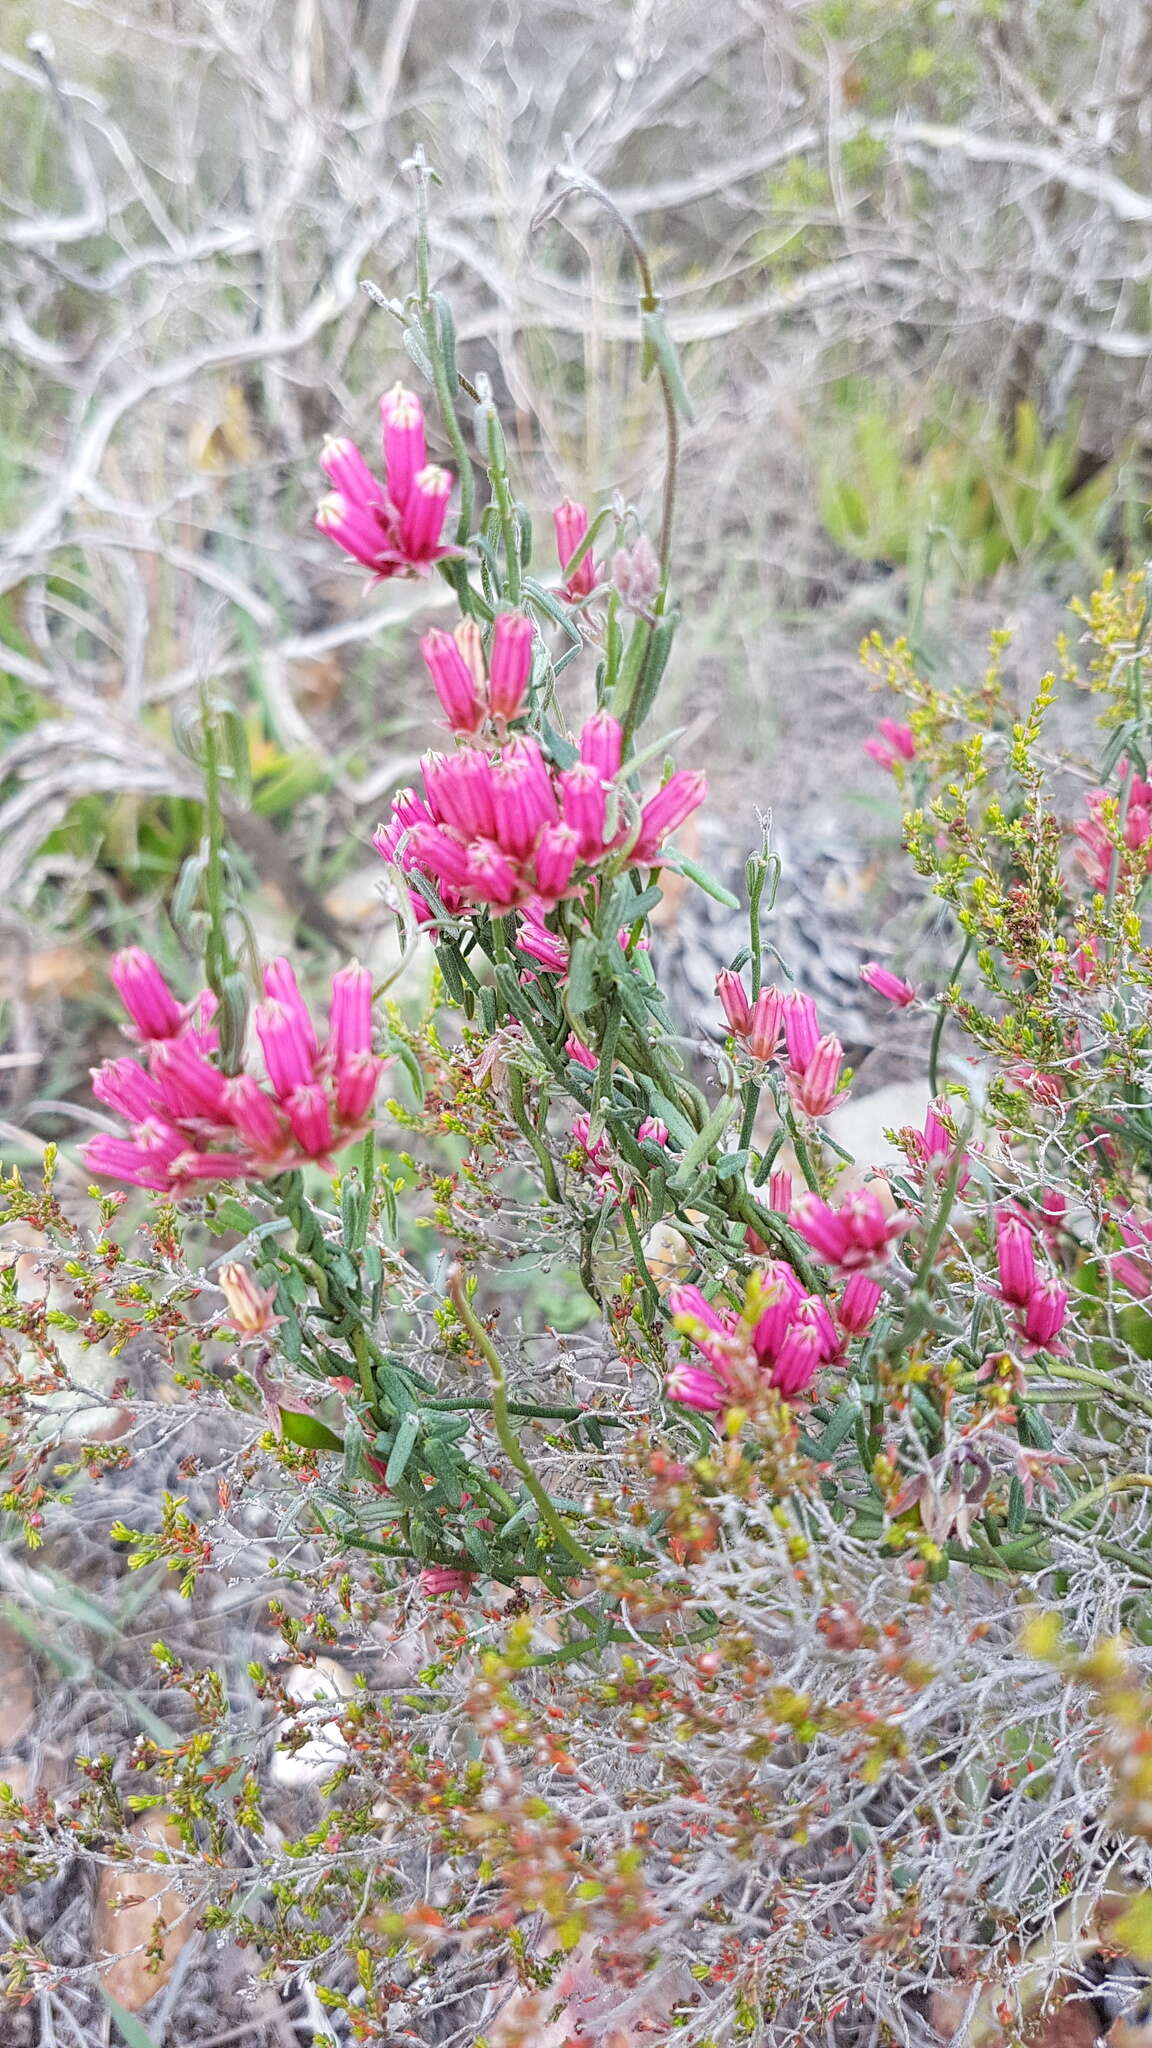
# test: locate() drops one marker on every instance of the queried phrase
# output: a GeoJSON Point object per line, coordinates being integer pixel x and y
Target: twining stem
{"type": "Point", "coordinates": [509, 1443]}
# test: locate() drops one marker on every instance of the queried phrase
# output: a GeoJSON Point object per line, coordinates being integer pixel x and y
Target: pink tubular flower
{"type": "Point", "coordinates": [192, 1123]}
{"type": "Point", "coordinates": [1044, 1311]}
{"type": "Point", "coordinates": [693, 1313]}
{"type": "Point", "coordinates": [1015, 1257]}
{"type": "Point", "coordinates": [887, 984]}
{"type": "Point", "coordinates": [857, 1236]}
{"type": "Point", "coordinates": [682, 794]}
{"type": "Point", "coordinates": [455, 683]}
{"type": "Point", "coordinates": [653, 1131]}
{"type": "Point", "coordinates": [584, 798]}
{"type": "Point", "coordinates": [764, 1024]}
{"type": "Point", "coordinates": [405, 448]}
{"type": "Point", "coordinates": [188, 1084]}
{"type": "Point", "coordinates": [694, 1387]}
{"type": "Point", "coordinates": [124, 1086]}
{"type": "Point", "coordinates": [557, 851]}
{"type": "Point", "coordinates": [491, 876]}
{"type": "Point", "coordinates": [891, 744]}
{"type": "Point", "coordinates": [734, 1002]}
{"type": "Point", "coordinates": [858, 1303]}
{"type": "Point", "coordinates": [801, 1028]}
{"type": "Point", "coordinates": [933, 1149]}
{"type": "Point", "coordinates": [814, 1088]}
{"type": "Point", "coordinates": [146, 995]}
{"type": "Point", "coordinates": [535, 939]}
{"type": "Point", "coordinates": [797, 1360]}
{"type": "Point", "coordinates": [571, 523]}
{"type": "Point", "coordinates": [524, 799]}
{"type": "Point", "coordinates": [602, 744]}
{"type": "Point", "coordinates": [394, 527]}
{"type": "Point", "coordinates": [582, 1054]}
{"type": "Point", "coordinates": [442, 1578]}
{"type": "Point", "coordinates": [509, 663]}
{"type": "Point", "coordinates": [780, 1191]}
{"type": "Point", "coordinates": [258, 1119]}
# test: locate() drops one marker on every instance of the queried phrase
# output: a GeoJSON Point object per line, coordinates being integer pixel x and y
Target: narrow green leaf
{"type": "Point", "coordinates": [308, 1431]}
{"type": "Point", "coordinates": [402, 1449]}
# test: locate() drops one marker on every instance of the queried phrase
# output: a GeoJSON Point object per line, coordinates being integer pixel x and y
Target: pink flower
{"type": "Point", "coordinates": [764, 1024]}
{"type": "Point", "coordinates": [584, 797]}
{"type": "Point", "coordinates": [394, 527]}
{"type": "Point", "coordinates": [857, 1236]}
{"type": "Point", "coordinates": [124, 1086]}
{"type": "Point", "coordinates": [146, 995]}
{"type": "Point", "coordinates": [653, 1131]}
{"type": "Point", "coordinates": [1044, 1311]}
{"type": "Point", "coordinates": [598, 1152]}
{"type": "Point", "coordinates": [405, 448]}
{"type": "Point", "coordinates": [571, 523]}
{"type": "Point", "coordinates": [557, 852]}
{"type": "Point", "coordinates": [455, 683]}
{"type": "Point", "coordinates": [858, 1303]}
{"type": "Point", "coordinates": [934, 1148]}
{"type": "Point", "coordinates": [462, 791]}
{"type": "Point", "coordinates": [509, 663]}
{"type": "Point", "coordinates": [734, 1002]}
{"type": "Point", "coordinates": [524, 799]}
{"type": "Point", "coordinates": [687, 1301]}
{"type": "Point", "coordinates": [682, 794]}
{"type": "Point", "coordinates": [1016, 1257]}
{"type": "Point", "coordinates": [602, 743]}
{"type": "Point", "coordinates": [582, 1054]}
{"type": "Point", "coordinates": [797, 1360]}
{"type": "Point", "coordinates": [887, 984]}
{"type": "Point", "coordinates": [189, 1085]}
{"type": "Point", "coordinates": [535, 939]}
{"type": "Point", "coordinates": [693, 1387]}
{"type": "Point", "coordinates": [636, 574]}
{"type": "Point", "coordinates": [815, 1087]}
{"type": "Point", "coordinates": [442, 1578]}
{"type": "Point", "coordinates": [801, 1028]}
{"type": "Point", "coordinates": [891, 744]}
{"type": "Point", "coordinates": [780, 1191]}
{"type": "Point", "coordinates": [491, 876]}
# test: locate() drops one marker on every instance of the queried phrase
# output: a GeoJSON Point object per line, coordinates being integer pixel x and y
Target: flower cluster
{"type": "Point", "coordinates": [1114, 823]}
{"type": "Point", "coordinates": [932, 1150]}
{"type": "Point", "coordinates": [472, 689]}
{"type": "Point", "coordinates": [775, 1022]}
{"type": "Point", "coordinates": [781, 1338]}
{"type": "Point", "coordinates": [891, 744]}
{"type": "Point", "coordinates": [190, 1122]}
{"type": "Point", "coordinates": [394, 527]}
{"type": "Point", "coordinates": [506, 829]}
{"type": "Point", "coordinates": [1041, 1303]}
{"type": "Point", "coordinates": [856, 1237]}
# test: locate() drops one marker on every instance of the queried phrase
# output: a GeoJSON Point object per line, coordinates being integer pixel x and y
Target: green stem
{"type": "Point", "coordinates": [549, 1515]}
{"type": "Point", "coordinates": [941, 1016]}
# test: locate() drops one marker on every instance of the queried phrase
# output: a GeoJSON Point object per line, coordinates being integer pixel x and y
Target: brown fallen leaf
{"type": "Point", "coordinates": [144, 1935]}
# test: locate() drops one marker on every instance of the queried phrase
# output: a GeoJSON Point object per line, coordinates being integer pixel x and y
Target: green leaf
{"type": "Point", "coordinates": [308, 1431]}
{"type": "Point", "coordinates": [402, 1449]}
{"type": "Point", "coordinates": [702, 1144]}
{"type": "Point", "coordinates": [658, 349]}
{"type": "Point", "coordinates": [582, 976]}
{"type": "Point", "coordinates": [133, 2031]}
{"type": "Point", "coordinates": [703, 880]}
